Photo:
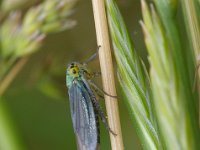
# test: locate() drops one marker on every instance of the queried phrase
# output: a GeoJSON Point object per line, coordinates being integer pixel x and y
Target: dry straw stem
{"type": "Point", "coordinates": [107, 73]}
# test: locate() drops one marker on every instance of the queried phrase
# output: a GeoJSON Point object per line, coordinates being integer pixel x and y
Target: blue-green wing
{"type": "Point", "coordinates": [83, 115]}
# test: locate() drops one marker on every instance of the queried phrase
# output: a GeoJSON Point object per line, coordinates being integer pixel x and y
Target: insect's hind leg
{"type": "Point", "coordinates": [96, 91]}
{"type": "Point", "coordinates": [101, 115]}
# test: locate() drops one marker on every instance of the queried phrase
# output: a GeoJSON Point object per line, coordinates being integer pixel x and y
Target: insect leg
{"type": "Point", "coordinates": [101, 114]}
{"type": "Point", "coordinates": [100, 90]}
{"type": "Point", "coordinates": [99, 95]}
{"type": "Point", "coordinates": [96, 74]}
{"type": "Point", "coordinates": [92, 57]}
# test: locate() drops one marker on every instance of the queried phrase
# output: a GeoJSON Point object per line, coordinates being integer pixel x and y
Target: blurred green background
{"type": "Point", "coordinates": [37, 100]}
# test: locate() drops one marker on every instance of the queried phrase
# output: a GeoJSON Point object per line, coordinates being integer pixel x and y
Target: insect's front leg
{"type": "Point", "coordinates": [89, 75]}
{"type": "Point", "coordinates": [93, 56]}
{"type": "Point", "coordinates": [96, 74]}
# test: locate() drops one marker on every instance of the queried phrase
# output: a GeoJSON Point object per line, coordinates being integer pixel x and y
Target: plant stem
{"type": "Point", "coordinates": [12, 74]}
{"type": "Point", "coordinates": [5, 66]}
{"type": "Point", "coordinates": [107, 73]}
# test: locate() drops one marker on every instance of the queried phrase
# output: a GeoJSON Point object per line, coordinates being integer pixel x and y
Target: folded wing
{"type": "Point", "coordinates": [83, 115]}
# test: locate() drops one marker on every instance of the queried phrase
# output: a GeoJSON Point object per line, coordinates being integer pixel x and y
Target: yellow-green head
{"type": "Point", "coordinates": [75, 71]}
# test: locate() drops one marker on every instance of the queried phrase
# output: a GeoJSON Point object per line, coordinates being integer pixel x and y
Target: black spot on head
{"type": "Point", "coordinates": [74, 71]}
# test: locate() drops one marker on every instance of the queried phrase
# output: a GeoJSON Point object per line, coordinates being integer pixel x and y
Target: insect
{"type": "Point", "coordinates": [85, 109]}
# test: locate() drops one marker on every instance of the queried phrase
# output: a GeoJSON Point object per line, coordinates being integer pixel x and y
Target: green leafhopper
{"type": "Point", "coordinates": [85, 109]}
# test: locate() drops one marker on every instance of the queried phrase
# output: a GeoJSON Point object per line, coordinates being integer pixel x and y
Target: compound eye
{"type": "Point", "coordinates": [71, 66]}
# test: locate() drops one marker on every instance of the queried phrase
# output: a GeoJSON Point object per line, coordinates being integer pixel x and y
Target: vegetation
{"type": "Point", "coordinates": [158, 94]}
{"type": "Point", "coordinates": [164, 109]}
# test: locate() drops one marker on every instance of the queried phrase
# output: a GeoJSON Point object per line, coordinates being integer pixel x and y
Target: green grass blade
{"type": "Point", "coordinates": [133, 80]}
{"type": "Point", "coordinates": [171, 79]}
